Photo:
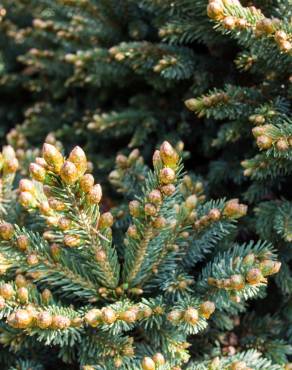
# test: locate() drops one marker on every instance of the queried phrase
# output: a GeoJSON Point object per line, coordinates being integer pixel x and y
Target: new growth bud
{"type": "Point", "coordinates": [69, 173]}
{"type": "Point", "coordinates": [206, 309]}
{"type": "Point", "coordinates": [254, 276]}
{"type": "Point", "coordinates": [191, 316]}
{"type": "Point", "coordinates": [53, 157]}
{"type": "Point", "coordinates": [233, 209]}
{"type": "Point", "coordinates": [78, 157]}
{"type": "Point", "coordinates": [106, 220]}
{"type": "Point", "coordinates": [86, 182]}
{"type": "Point", "coordinates": [95, 194]}
{"type": "Point", "coordinates": [167, 175]}
{"type": "Point", "coordinates": [148, 364]}
{"type": "Point", "coordinates": [6, 231]}
{"type": "Point", "coordinates": [168, 155]}
{"type": "Point", "coordinates": [44, 320]}
{"type": "Point", "coordinates": [37, 172]}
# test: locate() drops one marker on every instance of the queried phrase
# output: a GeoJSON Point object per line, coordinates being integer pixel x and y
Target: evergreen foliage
{"type": "Point", "coordinates": [121, 301]}
{"type": "Point", "coordinates": [130, 279]}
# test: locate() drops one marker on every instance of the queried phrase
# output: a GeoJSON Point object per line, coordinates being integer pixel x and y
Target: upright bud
{"type": "Point", "coordinates": [72, 240]}
{"type": "Point", "coordinates": [6, 231]}
{"type": "Point", "coordinates": [156, 159]}
{"type": "Point", "coordinates": [238, 365]}
{"type": "Point", "coordinates": [134, 208]}
{"type": "Point", "coordinates": [108, 315]}
{"type": "Point", "coordinates": [27, 200]}
{"type": "Point", "coordinates": [155, 196]}
{"type": "Point", "coordinates": [215, 11]}
{"type": "Point", "coordinates": [93, 317]}
{"type": "Point", "coordinates": [55, 251]}
{"type": "Point", "coordinates": [21, 320]}
{"type": "Point", "coordinates": [7, 291]}
{"type": "Point", "coordinates": [100, 256]}
{"type": "Point", "coordinates": [133, 232]}
{"type": "Point", "coordinates": [254, 276]}
{"type": "Point", "coordinates": [122, 161]}
{"type": "Point", "coordinates": [167, 175]}
{"type": "Point", "coordinates": [11, 166]}
{"type": "Point", "coordinates": [206, 309]}
{"type": "Point", "coordinates": [282, 145]}
{"type": "Point", "coordinates": [174, 316]}
{"type": "Point", "coordinates": [22, 294]}
{"type": "Point", "coordinates": [86, 182]}
{"type": "Point", "coordinates": [237, 282]}
{"type": "Point", "coordinates": [264, 142]}
{"type": "Point", "coordinates": [106, 220]}
{"type": "Point", "coordinates": [148, 363]}
{"type": "Point", "coordinates": [64, 223]}
{"type": "Point", "coordinates": [78, 157]}
{"type": "Point", "coordinates": [44, 320]}
{"type": "Point", "coordinates": [32, 259]}
{"type": "Point", "coordinates": [193, 104]}
{"type": "Point", "coordinates": [46, 296]}
{"type": "Point", "coordinates": [45, 208]}
{"type": "Point", "coordinates": [159, 222]}
{"type": "Point", "coordinates": [233, 209]}
{"type": "Point", "coordinates": [129, 316]}
{"type": "Point", "coordinates": [191, 202]}
{"type": "Point", "coordinates": [214, 214]}
{"type": "Point", "coordinates": [20, 281]}
{"type": "Point", "coordinates": [37, 172]}
{"type": "Point", "coordinates": [168, 154]}
{"type": "Point", "coordinates": [150, 209]}
{"type": "Point", "coordinates": [26, 185]}
{"type": "Point", "coordinates": [168, 189]}
{"type": "Point", "coordinates": [269, 267]}
{"type": "Point", "coordinates": [69, 173]}
{"type": "Point", "coordinates": [191, 316]}
{"type": "Point", "coordinates": [41, 162]}
{"type": "Point", "coordinates": [53, 157]}
{"type": "Point", "coordinates": [60, 322]}
{"type": "Point", "coordinates": [159, 359]}
{"type": "Point", "coordinates": [95, 194]}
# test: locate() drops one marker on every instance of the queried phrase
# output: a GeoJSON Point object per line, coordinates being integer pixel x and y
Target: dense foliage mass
{"type": "Point", "coordinates": [162, 271]}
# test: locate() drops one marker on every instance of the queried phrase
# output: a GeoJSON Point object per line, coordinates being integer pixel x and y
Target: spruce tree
{"type": "Point", "coordinates": [107, 299]}
{"type": "Point", "coordinates": [214, 79]}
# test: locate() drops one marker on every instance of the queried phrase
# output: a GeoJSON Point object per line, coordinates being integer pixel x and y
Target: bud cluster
{"type": "Point", "coordinates": [154, 362]}
{"type": "Point", "coordinates": [254, 268]}
{"type": "Point", "coordinates": [265, 141]}
{"type": "Point", "coordinates": [250, 19]}
{"type": "Point", "coordinates": [251, 166]}
{"type": "Point", "coordinates": [192, 315]}
{"type": "Point", "coordinates": [164, 63]}
{"type": "Point", "coordinates": [181, 284]}
{"type": "Point", "coordinates": [165, 162]}
{"type": "Point", "coordinates": [52, 161]}
{"type": "Point", "coordinates": [108, 315]}
{"type": "Point", "coordinates": [233, 209]}
{"type": "Point", "coordinates": [8, 164]}
{"type": "Point", "coordinates": [190, 186]}
{"type": "Point", "coordinates": [199, 105]}
{"type": "Point", "coordinates": [32, 317]}
{"type": "Point", "coordinates": [126, 165]}
{"type": "Point", "coordinates": [20, 292]}
{"type": "Point", "coordinates": [54, 171]}
{"type": "Point", "coordinates": [214, 215]}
